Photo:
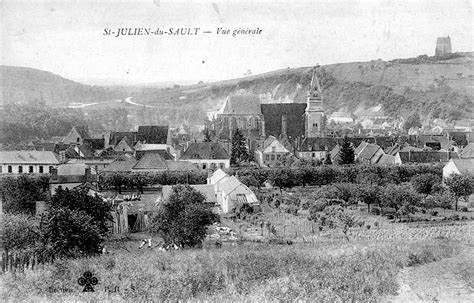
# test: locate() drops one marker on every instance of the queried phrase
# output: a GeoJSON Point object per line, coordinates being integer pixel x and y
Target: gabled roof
{"type": "Point", "coordinates": [242, 105]}
{"type": "Point", "coordinates": [369, 151]}
{"type": "Point", "coordinates": [152, 161]}
{"type": "Point", "coordinates": [277, 145]}
{"type": "Point", "coordinates": [335, 151]}
{"type": "Point", "coordinates": [218, 175]}
{"type": "Point", "coordinates": [86, 150]}
{"type": "Point", "coordinates": [82, 131]}
{"type": "Point", "coordinates": [205, 150]}
{"type": "Point", "coordinates": [360, 147]}
{"type": "Point", "coordinates": [28, 157]}
{"type": "Point", "coordinates": [230, 184]}
{"type": "Point", "coordinates": [153, 134]}
{"type": "Point", "coordinates": [124, 144]}
{"type": "Point", "coordinates": [116, 137]}
{"type": "Point", "coordinates": [468, 151]}
{"type": "Point", "coordinates": [386, 159]}
{"type": "Point", "coordinates": [465, 166]}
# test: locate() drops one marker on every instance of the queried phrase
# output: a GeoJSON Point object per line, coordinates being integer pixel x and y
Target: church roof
{"type": "Point", "coordinates": [153, 134]}
{"type": "Point", "coordinates": [272, 114]}
{"type": "Point", "coordinates": [242, 105]}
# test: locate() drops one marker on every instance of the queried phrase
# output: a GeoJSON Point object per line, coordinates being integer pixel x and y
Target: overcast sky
{"type": "Point", "coordinates": [67, 38]}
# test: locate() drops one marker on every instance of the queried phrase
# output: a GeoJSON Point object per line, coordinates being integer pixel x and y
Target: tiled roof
{"type": "Point", "coordinates": [82, 131]}
{"type": "Point", "coordinates": [386, 159]}
{"type": "Point", "coordinates": [86, 150]}
{"type": "Point", "coordinates": [465, 166]}
{"type": "Point", "coordinates": [204, 150]}
{"type": "Point", "coordinates": [424, 157]}
{"type": "Point", "coordinates": [28, 157]}
{"type": "Point", "coordinates": [369, 151]}
{"type": "Point", "coordinates": [116, 137]}
{"type": "Point", "coordinates": [153, 134]}
{"type": "Point", "coordinates": [151, 161]}
{"type": "Point", "coordinates": [272, 114]}
{"type": "Point", "coordinates": [335, 151]}
{"type": "Point", "coordinates": [180, 166]}
{"type": "Point", "coordinates": [230, 184]}
{"type": "Point", "coordinates": [120, 165]}
{"type": "Point", "coordinates": [360, 147]}
{"type": "Point", "coordinates": [163, 153]}
{"type": "Point", "coordinates": [468, 151]}
{"type": "Point", "coordinates": [242, 105]}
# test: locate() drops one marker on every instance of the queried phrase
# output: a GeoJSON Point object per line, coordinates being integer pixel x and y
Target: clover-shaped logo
{"type": "Point", "coordinates": [87, 280]}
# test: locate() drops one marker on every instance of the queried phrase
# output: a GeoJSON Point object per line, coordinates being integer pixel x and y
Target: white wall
{"type": "Point", "coordinates": [208, 163]}
{"type": "Point", "coordinates": [26, 168]}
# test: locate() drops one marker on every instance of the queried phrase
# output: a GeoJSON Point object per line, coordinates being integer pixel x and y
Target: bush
{"type": "Point", "coordinates": [464, 209]}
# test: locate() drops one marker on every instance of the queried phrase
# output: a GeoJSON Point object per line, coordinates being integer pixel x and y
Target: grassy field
{"type": "Point", "coordinates": [324, 272]}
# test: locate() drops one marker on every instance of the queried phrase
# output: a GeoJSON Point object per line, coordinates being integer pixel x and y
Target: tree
{"type": "Point", "coordinates": [346, 155]}
{"type": "Point", "coordinates": [368, 194]}
{"type": "Point", "coordinates": [412, 121]}
{"type": "Point", "coordinates": [183, 220]}
{"type": "Point", "coordinates": [19, 194]}
{"type": "Point", "coordinates": [335, 216]}
{"type": "Point", "coordinates": [461, 186]}
{"type": "Point", "coordinates": [400, 197]}
{"type": "Point", "coordinates": [425, 183]}
{"type": "Point", "coordinates": [239, 148]}
{"type": "Point", "coordinates": [282, 178]}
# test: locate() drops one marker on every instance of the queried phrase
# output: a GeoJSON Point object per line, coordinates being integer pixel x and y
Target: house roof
{"type": "Point", "coordinates": [242, 105]}
{"type": "Point", "coordinates": [116, 137]}
{"type": "Point", "coordinates": [279, 147]}
{"type": "Point", "coordinates": [78, 169]}
{"type": "Point", "coordinates": [272, 114]}
{"type": "Point", "coordinates": [386, 159]}
{"type": "Point", "coordinates": [82, 131]}
{"type": "Point", "coordinates": [369, 151]}
{"type": "Point", "coordinates": [95, 143]}
{"type": "Point", "coordinates": [360, 147]}
{"type": "Point", "coordinates": [230, 184]}
{"type": "Point", "coordinates": [28, 157]}
{"type": "Point", "coordinates": [180, 166]}
{"type": "Point", "coordinates": [153, 134]}
{"type": "Point", "coordinates": [151, 161]}
{"type": "Point", "coordinates": [468, 151]}
{"type": "Point", "coordinates": [204, 150]}
{"type": "Point", "coordinates": [218, 175]}
{"type": "Point", "coordinates": [151, 146]}
{"type": "Point", "coordinates": [163, 153]}
{"type": "Point", "coordinates": [120, 165]}
{"type": "Point", "coordinates": [86, 150]}
{"type": "Point", "coordinates": [425, 156]}
{"type": "Point", "coordinates": [207, 190]}
{"type": "Point", "coordinates": [465, 166]}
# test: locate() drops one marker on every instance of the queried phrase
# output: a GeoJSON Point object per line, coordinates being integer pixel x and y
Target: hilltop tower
{"type": "Point", "coordinates": [314, 114]}
{"type": "Point", "coordinates": [443, 46]}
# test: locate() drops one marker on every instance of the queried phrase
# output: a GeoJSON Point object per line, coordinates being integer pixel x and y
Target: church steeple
{"type": "Point", "coordinates": [315, 119]}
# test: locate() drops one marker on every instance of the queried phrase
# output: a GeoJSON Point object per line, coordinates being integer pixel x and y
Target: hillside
{"type": "Point", "coordinates": [431, 86]}
{"type": "Point", "coordinates": [25, 85]}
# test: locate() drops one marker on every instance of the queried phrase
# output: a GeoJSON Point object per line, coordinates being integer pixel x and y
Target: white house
{"type": "Point", "coordinates": [271, 152]}
{"type": "Point", "coordinates": [459, 167]}
{"type": "Point", "coordinates": [207, 155]}
{"type": "Point", "coordinates": [22, 162]}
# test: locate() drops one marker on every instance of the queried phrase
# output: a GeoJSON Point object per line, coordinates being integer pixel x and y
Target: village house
{"type": "Point", "coordinates": [459, 167]}
{"type": "Point", "coordinates": [151, 161]}
{"type": "Point", "coordinates": [76, 135]}
{"type": "Point", "coordinates": [386, 159]}
{"type": "Point", "coordinates": [69, 176]}
{"type": "Point", "coordinates": [23, 162]}
{"type": "Point", "coordinates": [468, 151]}
{"type": "Point", "coordinates": [95, 164]}
{"type": "Point", "coordinates": [230, 191]}
{"type": "Point", "coordinates": [206, 155]}
{"type": "Point", "coordinates": [368, 153]}
{"type": "Point", "coordinates": [271, 152]}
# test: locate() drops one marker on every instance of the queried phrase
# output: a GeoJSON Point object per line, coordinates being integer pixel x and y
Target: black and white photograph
{"type": "Point", "coordinates": [237, 151]}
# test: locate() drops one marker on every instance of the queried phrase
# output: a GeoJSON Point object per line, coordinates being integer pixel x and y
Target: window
{"type": "Point", "coordinates": [315, 125]}
{"type": "Point", "coordinates": [1, 169]}
{"type": "Point", "coordinates": [20, 169]}
{"type": "Point", "coordinates": [204, 166]}
{"type": "Point", "coordinates": [30, 169]}
{"type": "Point", "coordinates": [77, 139]}
{"type": "Point", "coordinates": [273, 149]}
{"type": "Point", "coordinates": [50, 169]}
{"type": "Point", "coordinates": [41, 169]}
{"type": "Point", "coordinates": [273, 157]}
{"type": "Point", "coordinates": [314, 155]}
{"type": "Point", "coordinates": [10, 169]}
{"type": "Point", "coordinates": [195, 156]}
{"type": "Point", "coordinates": [221, 165]}
{"type": "Point", "coordinates": [213, 156]}
{"type": "Point", "coordinates": [267, 157]}
{"type": "Point", "coordinates": [213, 165]}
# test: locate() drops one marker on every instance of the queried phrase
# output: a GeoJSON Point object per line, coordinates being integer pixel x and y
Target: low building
{"type": "Point", "coordinates": [206, 155]}
{"type": "Point", "coordinates": [23, 162]}
{"type": "Point", "coordinates": [458, 167]}
{"type": "Point", "coordinates": [76, 135]}
{"type": "Point", "coordinates": [69, 176]}
{"type": "Point", "coordinates": [389, 159]}
{"type": "Point", "coordinates": [368, 153]}
{"type": "Point", "coordinates": [271, 152]}
{"type": "Point", "coordinates": [467, 152]}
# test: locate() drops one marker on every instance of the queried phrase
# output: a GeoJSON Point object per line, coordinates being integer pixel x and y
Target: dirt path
{"type": "Point", "coordinates": [448, 280]}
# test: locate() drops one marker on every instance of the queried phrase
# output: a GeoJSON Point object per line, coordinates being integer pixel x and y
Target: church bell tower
{"type": "Point", "coordinates": [314, 114]}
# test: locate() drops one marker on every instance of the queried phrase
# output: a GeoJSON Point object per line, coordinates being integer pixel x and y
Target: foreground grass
{"type": "Point", "coordinates": [363, 271]}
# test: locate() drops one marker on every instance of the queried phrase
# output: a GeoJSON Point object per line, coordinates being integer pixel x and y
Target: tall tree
{"type": "Point", "coordinates": [207, 135]}
{"type": "Point", "coordinates": [412, 121]}
{"type": "Point", "coordinates": [347, 152]}
{"type": "Point", "coordinates": [239, 152]}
